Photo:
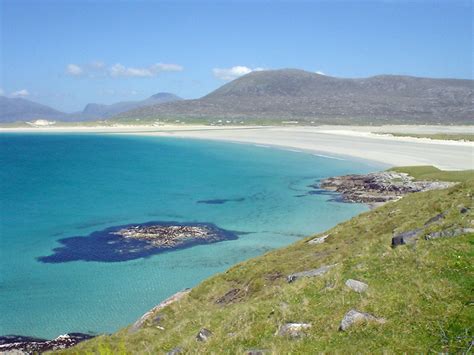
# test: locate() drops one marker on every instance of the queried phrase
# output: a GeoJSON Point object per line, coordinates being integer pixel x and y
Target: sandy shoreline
{"type": "Point", "coordinates": [334, 141]}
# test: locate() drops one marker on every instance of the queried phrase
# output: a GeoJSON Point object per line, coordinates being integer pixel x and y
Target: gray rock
{"type": "Point", "coordinates": [148, 315]}
{"type": "Point", "coordinates": [357, 286]}
{"type": "Point", "coordinates": [352, 317]}
{"type": "Point", "coordinates": [309, 273]}
{"type": "Point", "coordinates": [449, 233]}
{"type": "Point", "coordinates": [406, 237]}
{"type": "Point", "coordinates": [435, 219]}
{"type": "Point", "coordinates": [203, 335]}
{"type": "Point", "coordinates": [175, 351]}
{"type": "Point", "coordinates": [293, 330]}
{"type": "Point", "coordinates": [318, 240]}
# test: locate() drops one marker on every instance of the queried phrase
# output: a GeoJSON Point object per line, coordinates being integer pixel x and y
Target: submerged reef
{"type": "Point", "coordinates": [134, 241]}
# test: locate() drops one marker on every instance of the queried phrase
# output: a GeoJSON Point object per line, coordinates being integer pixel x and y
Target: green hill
{"type": "Point", "coordinates": [423, 291]}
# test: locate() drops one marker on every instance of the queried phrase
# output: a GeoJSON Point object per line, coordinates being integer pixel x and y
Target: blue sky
{"type": "Point", "coordinates": [69, 53]}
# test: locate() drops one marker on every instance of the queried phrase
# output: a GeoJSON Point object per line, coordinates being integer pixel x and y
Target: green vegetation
{"type": "Point", "coordinates": [424, 291]}
{"type": "Point", "coordinates": [442, 136]}
{"type": "Point", "coordinates": [431, 173]}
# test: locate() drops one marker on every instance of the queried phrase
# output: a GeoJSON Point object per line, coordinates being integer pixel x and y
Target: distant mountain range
{"type": "Point", "coordinates": [18, 109]}
{"type": "Point", "coordinates": [288, 94]}
{"type": "Point", "coordinates": [291, 94]}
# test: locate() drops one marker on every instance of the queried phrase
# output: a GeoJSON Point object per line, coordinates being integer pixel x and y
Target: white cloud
{"type": "Point", "coordinates": [320, 72]}
{"type": "Point", "coordinates": [97, 69]}
{"type": "Point", "coordinates": [119, 70]}
{"type": "Point", "coordinates": [234, 72]}
{"type": "Point", "coordinates": [74, 70]}
{"type": "Point", "coordinates": [20, 93]}
{"type": "Point", "coordinates": [2, 92]}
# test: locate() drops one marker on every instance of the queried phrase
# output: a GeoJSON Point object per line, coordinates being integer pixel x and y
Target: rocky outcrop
{"type": "Point", "coordinates": [169, 236]}
{"type": "Point", "coordinates": [293, 330]}
{"type": "Point", "coordinates": [148, 315]}
{"type": "Point", "coordinates": [357, 286]}
{"type": "Point", "coordinates": [353, 317]}
{"type": "Point", "coordinates": [309, 273]}
{"type": "Point", "coordinates": [449, 233]}
{"type": "Point", "coordinates": [377, 188]}
{"type": "Point", "coordinates": [27, 345]}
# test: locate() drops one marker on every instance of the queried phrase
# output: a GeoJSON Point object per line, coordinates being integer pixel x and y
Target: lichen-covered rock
{"type": "Point", "coordinates": [353, 317]}
{"type": "Point", "coordinates": [293, 330]}
{"type": "Point", "coordinates": [203, 335]}
{"type": "Point", "coordinates": [357, 286]}
{"type": "Point", "coordinates": [309, 273]}
{"type": "Point", "coordinates": [319, 240]}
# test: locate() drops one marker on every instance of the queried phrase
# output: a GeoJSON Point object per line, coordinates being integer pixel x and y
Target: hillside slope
{"type": "Point", "coordinates": [422, 291]}
{"type": "Point", "coordinates": [297, 94]}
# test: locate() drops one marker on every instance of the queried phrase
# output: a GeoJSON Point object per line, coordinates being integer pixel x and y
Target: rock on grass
{"type": "Point", "coordinates": [203, 335]}
{"type": "Point", "coordinates": [309, 273]}
{"type": "Point", "coordinates": [353, 317]}
{"type": "Point", "coordinates": [357, 286]}
{"type": "Point", "coordinates": [293, 330]}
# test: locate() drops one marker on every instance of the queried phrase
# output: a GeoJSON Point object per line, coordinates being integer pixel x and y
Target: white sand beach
{"type": "Point", "coordinates": [334, 141]}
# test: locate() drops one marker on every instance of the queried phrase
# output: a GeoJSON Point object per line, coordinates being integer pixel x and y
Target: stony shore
{"type": "Point", "coordinates": [12, 344]}
{"type": "Point", "coordinates": [377, 188]}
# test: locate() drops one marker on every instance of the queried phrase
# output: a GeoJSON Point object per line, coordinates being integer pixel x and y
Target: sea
{"type": "Point", "coordinates": [59, 190]}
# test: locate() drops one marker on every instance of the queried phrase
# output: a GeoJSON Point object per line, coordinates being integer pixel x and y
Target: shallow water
{"type": "Point", "coordinates": [59, 186]}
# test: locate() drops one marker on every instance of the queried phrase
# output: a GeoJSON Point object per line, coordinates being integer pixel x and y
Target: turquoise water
{"type": "Point", "coordinates": [58, 186]}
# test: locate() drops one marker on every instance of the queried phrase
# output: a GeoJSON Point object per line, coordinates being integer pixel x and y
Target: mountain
{"type": "Point", "coordinates": [18, 109]}
{"type": "Point", "coordinates": [100, 111]}
{"type": "Point", "coordinates": [297, 94]}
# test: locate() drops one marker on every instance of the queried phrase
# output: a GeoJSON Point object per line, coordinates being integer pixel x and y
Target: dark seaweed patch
{"type": "Point", "coordinates": [219, 201]}
{"type": "Point", "coordinates": [104, 246]}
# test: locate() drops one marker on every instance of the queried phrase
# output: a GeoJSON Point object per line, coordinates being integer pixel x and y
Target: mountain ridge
{"type": "Point", "coordinates": [302, 95]}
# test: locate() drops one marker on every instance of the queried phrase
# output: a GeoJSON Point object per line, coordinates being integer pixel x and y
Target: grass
{"type": "Point", "coordinates": [431, 173]}
{"type": "Point", "coordinates": [441, 136]}
{"type": "Point", "coordinates": [424, 291]}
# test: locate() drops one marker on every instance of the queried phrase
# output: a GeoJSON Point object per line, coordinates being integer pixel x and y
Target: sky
{"type": "Point", "coordinates": [67, 53]}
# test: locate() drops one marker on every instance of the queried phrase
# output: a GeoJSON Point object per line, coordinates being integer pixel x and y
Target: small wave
{"type": "Point", "coordinates": [327, 156]}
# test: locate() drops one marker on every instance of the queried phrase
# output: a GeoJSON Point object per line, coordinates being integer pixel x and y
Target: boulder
{"type": "Point", "coordinates": [175, 351]}
{"type": "Point", "coordinates": [353, 316]}
{"type": "Point", "coordinates": [293, 330]}
{"type": "Point", "coordinates": [309, 273]}
{"type": "Point", "coordinates": [203, 335]}
{"type": "Point", "coordinates": [357, 286]}
{"type": "Point", "coordinates": [406, 237]}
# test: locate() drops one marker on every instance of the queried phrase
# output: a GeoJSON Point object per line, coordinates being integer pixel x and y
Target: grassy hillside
{"type": "Point", "coordinates": [429, 172]}
{"type": "Point", "coordinates": [424, 291]}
